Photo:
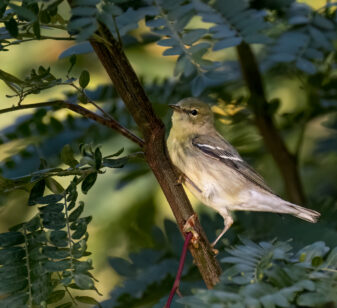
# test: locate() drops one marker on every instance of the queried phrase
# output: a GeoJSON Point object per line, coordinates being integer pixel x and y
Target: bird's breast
{"type": "Point", "coordinates": [208, 179]}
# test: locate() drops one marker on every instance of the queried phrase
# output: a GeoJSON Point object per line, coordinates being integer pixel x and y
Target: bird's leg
{"type": "Point", "coordinates": [182, 179]}
{"type": "Point", "coordinates": [228, 221]}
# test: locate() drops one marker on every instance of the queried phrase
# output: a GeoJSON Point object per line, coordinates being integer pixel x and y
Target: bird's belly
{"type": "Point", "coordinates": [214, 184]}
{"type": "Point", "coordinates": [211, 181]}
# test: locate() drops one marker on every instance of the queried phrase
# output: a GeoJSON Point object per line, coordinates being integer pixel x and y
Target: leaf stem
{"type": "Point", "coordinates": [67, 290]}
{"type": "Point", "coordinates": [28, 268]}
{"type": "Point", "coordinates": [176, 283]}
{"type": "Point", "coordinates": [55, 38]}
{"type": "Point", "coordinates": [70, 241]}
{"type": "Point", "coordinates": [176, 35]}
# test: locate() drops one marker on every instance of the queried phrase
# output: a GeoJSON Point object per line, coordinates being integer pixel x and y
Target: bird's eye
{"type": "Point", "coordinates": [194, 112]}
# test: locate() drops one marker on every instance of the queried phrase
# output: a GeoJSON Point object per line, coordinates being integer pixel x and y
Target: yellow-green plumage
{"type": "Point", "coordinates": [214, 171]}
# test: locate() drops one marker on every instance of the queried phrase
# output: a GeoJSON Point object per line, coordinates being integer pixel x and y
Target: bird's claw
{"type": "Point", "coordinates": [189, 227]}
{"type": "Point", "coordinates": [181, 179]}
{"type": "Point", "coordinates": [215, 251]}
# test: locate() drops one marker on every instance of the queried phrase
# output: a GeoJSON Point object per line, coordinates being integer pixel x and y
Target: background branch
{"type": "Point", "coordinates": [286, 162]}
{"type": "Point", "coordinates": [111, 123]}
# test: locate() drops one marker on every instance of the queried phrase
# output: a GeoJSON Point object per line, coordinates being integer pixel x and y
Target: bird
{"type": "Point", "coordinates": [212, 169]}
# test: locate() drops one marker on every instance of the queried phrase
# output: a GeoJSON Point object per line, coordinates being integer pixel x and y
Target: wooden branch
{"type": "Point", "coordinates": [111, 123]}
{"type": "Point", "coordinates": [286, 162]}
{"type": "Point", "coordinates": [129, 88]}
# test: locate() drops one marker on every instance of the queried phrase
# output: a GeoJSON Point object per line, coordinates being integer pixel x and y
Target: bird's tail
{"type": "Point", "coordinates": [302, 212]}
{"type": "Point", "coordinates": [262, 202]}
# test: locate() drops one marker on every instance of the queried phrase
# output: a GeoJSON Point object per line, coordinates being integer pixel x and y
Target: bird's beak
{"type": "Point", "coordinates": [176, 108]}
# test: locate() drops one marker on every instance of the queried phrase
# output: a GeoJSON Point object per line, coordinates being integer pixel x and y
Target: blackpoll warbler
{"type": "Point", "coordinates": [215, 172]}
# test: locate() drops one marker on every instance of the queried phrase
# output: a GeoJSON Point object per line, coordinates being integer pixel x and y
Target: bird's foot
{"type": "Point", "coordinates": [189, 227]}
{"type": "Point", "coordinates": [181, 179]}
{"type": "Point", "coordinates": [215, 251]}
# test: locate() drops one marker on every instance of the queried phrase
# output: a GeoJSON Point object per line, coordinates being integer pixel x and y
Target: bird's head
{"type": "Point", "coordinates": [192, 114]}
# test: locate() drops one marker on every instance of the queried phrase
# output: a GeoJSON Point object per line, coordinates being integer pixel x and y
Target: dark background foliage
{"type": "Point", "coordinates": [53, 159]}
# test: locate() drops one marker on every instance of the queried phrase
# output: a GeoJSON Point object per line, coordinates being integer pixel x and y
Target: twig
{"type": "Point", "coordinates": [67, 290]}
{"type": "Point", "coordinates": [111, 123]}
{"type": "Point", "coordinates": [180, 270]}
{"type": "Point", "coordinates": [117, 31]}
{"type": "Point", "coordinates": [300, 138]}
{"type": "Point", "coordinates": [17, 42]}
{"type": "Point", "coordinates": [91, 101]}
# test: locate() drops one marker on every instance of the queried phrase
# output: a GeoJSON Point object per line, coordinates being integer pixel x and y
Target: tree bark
{"type": "Point", "coordinates": [130, 90]}
{"type": "Point", "coordinates": [286, 162]}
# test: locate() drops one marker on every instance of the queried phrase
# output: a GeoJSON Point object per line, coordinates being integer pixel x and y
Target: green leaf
{"type": "Point", "coordinates": [36, 29]}
{"type": "Point", "coordinates": [17, 300]}
{"type": "Point", "coordinates": [36, 192]}
{"type": "Point", "coordinates": [11, 255]}
{"type": "Point", "coordinates": [23, 12]}
{"type": "Point", "coordinates": [76, 213]}
{"type": "Point", "coordinates": [54, 186]}
{"type": "Point", "coordinates": [323, 22]}
{"type": "Point", "coordinates": [84, 79]}
{"type": "Point", "coordinates": [33, 224]}
{"type": "Point", "coordinates": [78, 49]}
{"type": "Point", "coordinates": [83, 266]}
{"type": "Point", "coordinates": [57, 266]}
{"type": "Point", "coordinates": [68, 156]}
{"type": "Point", "coordinates": [88, 300]}
{"type": "Point", "coordinates": [316, 261]}
{"type": "Point", "coordinates": [12, 27]}
{"type": "Point", "coordinates": [49, 199]}
{"type": "Point", "coordinates": [56, 296]}
{"type": "Point", "coordinates": [72, 61]}
{"type": "Point", "coordinates": [331, 261]}
{"type": "Point", "coordinates": [115, 163]}
{"type": "Point", "coordinates": [65, 305]}
{"type": "Point", "coordinates": [84, 11]}
{"type": "Point", "coordinates": [193, 36]}
{"type": "Point", "coordinates": [81, 229]}
{"type": "Point", "coordinates": [98, 158]}
{"type": "Point", "coordinates": [11, 238]}
{"type": "Point", "coordinates": [320, 38]}
{"type": "Point", "coordinates": [173, 51]}
{"type": "Point", "coordinates": [88, 182]}
{"type": "Point", "coordinates": [12, 286]}
{"type": "Point", "coordinates": [306, 66]}
{"type": "Point", "coordinates": [228, 42]}
{"type": "Point", "coordinates": [119, 152]}
{"type": "Point", "coordinates": [6, 77]}
{"type": "Point", "coordinates": [55, 252]}
{"type": "Point", "coordinates": [13, 271]}
{"type": "Point", "coordinates": [58, 238]}
{"type": "Point", "coordinates": [123, 267]}
{"type": "Point", "coordinates": [83, 281]}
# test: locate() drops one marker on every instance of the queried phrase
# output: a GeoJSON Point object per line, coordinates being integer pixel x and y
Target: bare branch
{"type": "Point", "coordinates": [111, 123]}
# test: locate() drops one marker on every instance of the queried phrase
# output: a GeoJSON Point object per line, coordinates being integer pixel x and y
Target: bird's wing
{"type": "Point", "coordinates": [218, 148]}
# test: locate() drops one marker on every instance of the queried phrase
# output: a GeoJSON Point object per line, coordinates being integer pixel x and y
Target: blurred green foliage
{"type": "Point", "coordinates": [295, 45]}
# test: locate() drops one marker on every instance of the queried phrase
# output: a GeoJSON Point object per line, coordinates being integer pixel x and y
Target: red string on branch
{"type": "Point", "coordinates": [180, 270]}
